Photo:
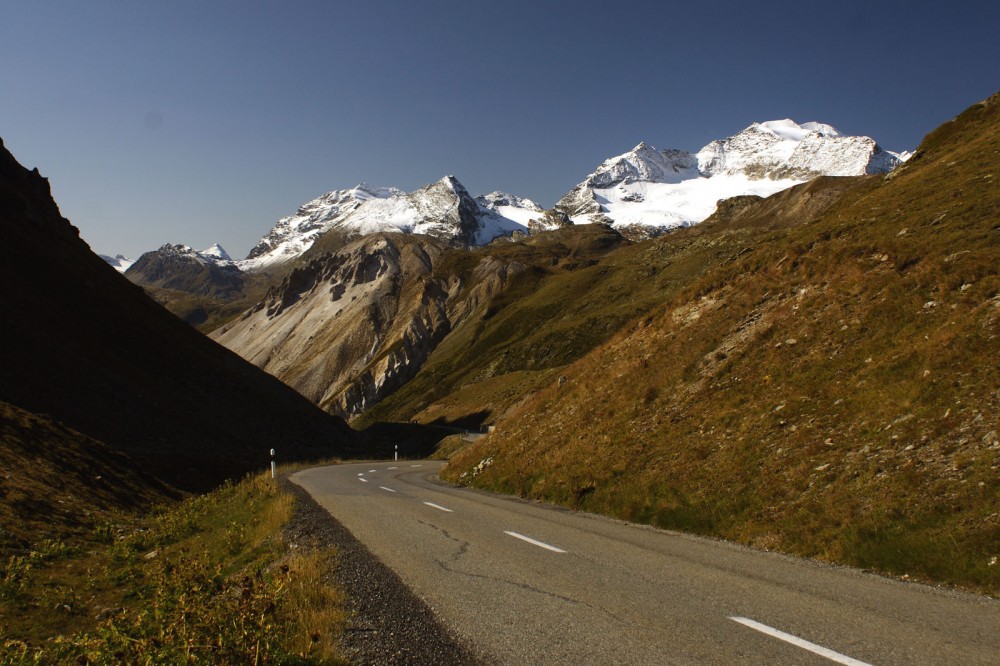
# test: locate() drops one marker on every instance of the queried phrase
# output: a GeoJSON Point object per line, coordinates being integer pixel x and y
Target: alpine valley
{"type": "Point", "coordinates": [787, 339]}
{"type": "Point", "coordinates": [356, 301]}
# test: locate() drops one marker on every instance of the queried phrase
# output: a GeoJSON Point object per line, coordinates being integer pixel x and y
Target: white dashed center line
{"type": "Point", "coordinates": [392, 468]}
{"type": "Point", "coordinates": [534, 542]}
{"type": "Point", "coordinates": [439, 507]}
{"type": "Point", "coordinates": [416, 465]}
{"type": "Point", "coordinates": [372, 471]}
{"type": "Point", "coordinates": [799, 642]}
{"type": "Point", "coordinates": [388, 489]}
{"type": "Point", "coordinates": [362, 479]}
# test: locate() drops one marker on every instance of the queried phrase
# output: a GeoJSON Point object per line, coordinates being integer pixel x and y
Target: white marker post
{"type": "Point", "coordinates": [272, 463]}
{"type": "Point", "coordinates": [396, 454]}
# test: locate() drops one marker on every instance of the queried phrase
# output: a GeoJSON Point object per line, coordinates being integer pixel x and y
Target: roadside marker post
{"type": "Point", "coordinates": [395, 456]}
{"type": "Point", "coordinates": [272, 463]}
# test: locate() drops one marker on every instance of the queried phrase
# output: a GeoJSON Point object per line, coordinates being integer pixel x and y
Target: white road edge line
{"type": "Point", "coordinates": [799, 642]}
{"type": "Point", "coordinates": [389, 489]}
{"type": "Point", "coordinates": [534, 542]}
{"type": "Point", "coordinates": [438, 506]}
{"type": "Point", "coordinates": [362, 479]}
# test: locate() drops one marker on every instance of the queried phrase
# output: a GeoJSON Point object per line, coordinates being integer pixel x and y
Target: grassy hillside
{"type": "Point", "coordinates": [206, 312]}
{"type": "Point", "coordinates": [205, 581]}
{"type": "Point", "coordinates": [830, 389]}
{"type": "Point", "coordinates": [64, 487]}
{"type": "Point", "coordinates": [579, 287]}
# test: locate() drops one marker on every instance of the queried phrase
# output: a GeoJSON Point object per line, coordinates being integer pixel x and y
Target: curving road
{"type": "Point", "coordinates": [534, 584]}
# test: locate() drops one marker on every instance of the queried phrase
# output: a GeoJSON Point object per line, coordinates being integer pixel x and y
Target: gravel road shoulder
{"type": "Point", "coordinates": [387, 623]}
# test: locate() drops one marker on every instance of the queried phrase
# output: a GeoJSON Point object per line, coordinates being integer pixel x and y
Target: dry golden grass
{"type": "Point", "coordinates": [208, 580]}
{"type": "Point", "coordinates": [830, 390]}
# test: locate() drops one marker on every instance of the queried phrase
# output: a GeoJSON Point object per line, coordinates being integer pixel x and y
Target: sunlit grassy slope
{"type": "Point", "coordinates": [579, 287]}
{"type": "Point", "coordinates": [204, 581]}
{"type": "Point", "coordinates": [820, 375]}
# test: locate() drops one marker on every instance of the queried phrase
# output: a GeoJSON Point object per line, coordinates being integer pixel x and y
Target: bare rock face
{"type": "Point", "coordinates": [351, 327]}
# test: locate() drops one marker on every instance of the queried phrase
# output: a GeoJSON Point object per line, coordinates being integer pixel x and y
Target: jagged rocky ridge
{"type": "Point", "coordinates": [443, 210]}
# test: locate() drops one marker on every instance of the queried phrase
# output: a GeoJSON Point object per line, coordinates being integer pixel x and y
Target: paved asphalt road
{"type": "Point", "coordinates": [532, 584]}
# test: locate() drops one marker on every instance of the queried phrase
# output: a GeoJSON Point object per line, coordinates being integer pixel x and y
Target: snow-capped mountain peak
{"type": "Point", "coordinates": [790, 130]}
{"type": "Point", "coordinates": [497, 200]}
{"type": "Point", "coordinates": [669, 188]}
{"type": "Point", "coordinates": [784, 148]}
{"type": "Point", "coordinates": [443, 209]}
{"type": "Point", "coordinates": [119, 262]}
{"type": "Point", "coordinates": [452, 183]}
{"type": "Point", "coordinates": [217, 252]}
{"type": "Point", "coordinates": [213, 255]}
{"type": "Point", "coordinates": [294, 234]}
{"type": "Point", "coordinates": [644, 163]}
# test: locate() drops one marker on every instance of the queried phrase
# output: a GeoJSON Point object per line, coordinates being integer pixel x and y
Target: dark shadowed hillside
{"type": "Point", "coordinates": [65, 486]}
{"type": "Point", "coordinates": [84, 346]}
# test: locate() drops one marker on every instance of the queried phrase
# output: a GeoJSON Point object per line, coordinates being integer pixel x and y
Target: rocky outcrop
{"type": "Point", "coordinates": [352, 326]}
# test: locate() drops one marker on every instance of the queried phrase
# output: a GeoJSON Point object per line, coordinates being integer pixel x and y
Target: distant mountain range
{"type": "Point", "coordinates": [641, 193]}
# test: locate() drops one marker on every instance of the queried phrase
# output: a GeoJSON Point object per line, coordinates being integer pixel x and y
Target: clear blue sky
{"type": "Point", "coordinates": [202, 122]}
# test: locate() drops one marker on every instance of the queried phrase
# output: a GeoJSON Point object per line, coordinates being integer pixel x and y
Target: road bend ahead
{"type": "Point", "coordinates": [531, 584]}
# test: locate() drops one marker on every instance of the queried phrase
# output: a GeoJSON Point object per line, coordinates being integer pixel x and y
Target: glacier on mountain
{"type": "Point", "coordinates": [119, 262]}
{"type": "Point", "coordinates": [659, 190]}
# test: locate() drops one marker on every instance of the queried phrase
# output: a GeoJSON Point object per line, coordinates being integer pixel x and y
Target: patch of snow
{"type": "Point", "coordinates": [670, 205]}
{"type": "Point", "coordinates": [119, 262]}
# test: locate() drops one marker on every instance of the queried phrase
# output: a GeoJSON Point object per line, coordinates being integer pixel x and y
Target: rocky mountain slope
{"type": "Point", "coordinates": [89, 349]}
{"type": "Point", "coordinates": [645, 191]}
{"type": "Point", "coordinates": [826, 386]}
{"type": "Point", "coordinates": [178, 267]}
{"type": "Point", "coordinates": [350, 327]}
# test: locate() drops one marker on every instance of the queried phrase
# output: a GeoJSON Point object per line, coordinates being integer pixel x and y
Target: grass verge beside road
{"type": "Point", "coordinates": [206, 580]}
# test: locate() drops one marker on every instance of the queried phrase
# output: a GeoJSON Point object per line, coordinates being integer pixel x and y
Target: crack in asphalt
{"type": "Point", "coordinates": [463, 549]}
